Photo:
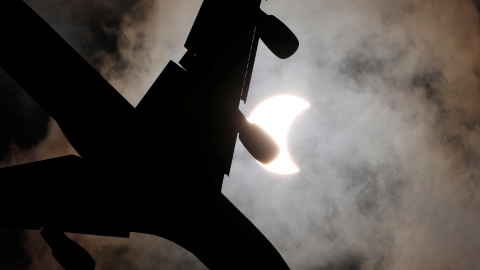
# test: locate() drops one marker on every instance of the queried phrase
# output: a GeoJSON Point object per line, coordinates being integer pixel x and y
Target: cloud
{"type": "Point", "coordinates": [388, 151]}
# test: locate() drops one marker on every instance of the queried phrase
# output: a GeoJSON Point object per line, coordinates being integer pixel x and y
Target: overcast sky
{"type": "Point", "coordinates": [388, 152]}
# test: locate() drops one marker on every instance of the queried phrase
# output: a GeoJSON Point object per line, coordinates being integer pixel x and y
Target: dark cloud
{"type": "Point", "coordinates": [430, 83]}
{"type": "Point", "coordinates": [346, 262]}
{"type": "Point", "coordinates": [477, 4]}
{"type": "Point", "coordinates": [373, 187]}
{"type": "Point", "coordinates": [90, 26]}
{"type": "Point", "coordinates": [359, 65]}
{"type": "Point", "coordinates": [113, 36]}
{"type": "Point", "coordinates": [389, 150]}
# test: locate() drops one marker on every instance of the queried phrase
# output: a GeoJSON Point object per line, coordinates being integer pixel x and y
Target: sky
{"type": "Point", "coordinates": [388, 151]}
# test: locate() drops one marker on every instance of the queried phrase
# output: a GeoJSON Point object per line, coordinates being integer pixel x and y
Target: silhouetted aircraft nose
{"type": "Point", "coordinates": [259, 143]}
{"type": "Point", "coordinates": [256, 140]}
{"type": "Point", "coordinates": [277, 36]}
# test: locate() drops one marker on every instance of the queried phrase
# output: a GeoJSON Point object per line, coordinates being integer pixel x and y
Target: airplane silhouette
{"type": "Point", "coordinates": [156, 168]}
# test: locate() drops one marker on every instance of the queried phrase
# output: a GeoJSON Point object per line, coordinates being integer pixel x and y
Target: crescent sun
{"type": "Point", "coordinates": [276, 115]}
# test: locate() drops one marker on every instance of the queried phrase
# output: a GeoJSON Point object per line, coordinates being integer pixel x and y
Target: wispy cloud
{"type": "Point", "coordinates": [389, 151]}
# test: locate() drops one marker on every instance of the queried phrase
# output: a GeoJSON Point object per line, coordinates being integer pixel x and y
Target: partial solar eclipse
{"type": "Point", "coordinates": [276, 115]}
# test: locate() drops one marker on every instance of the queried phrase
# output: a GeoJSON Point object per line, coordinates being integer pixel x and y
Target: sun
{"type": "Point", "coordinates": [276, 115]}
